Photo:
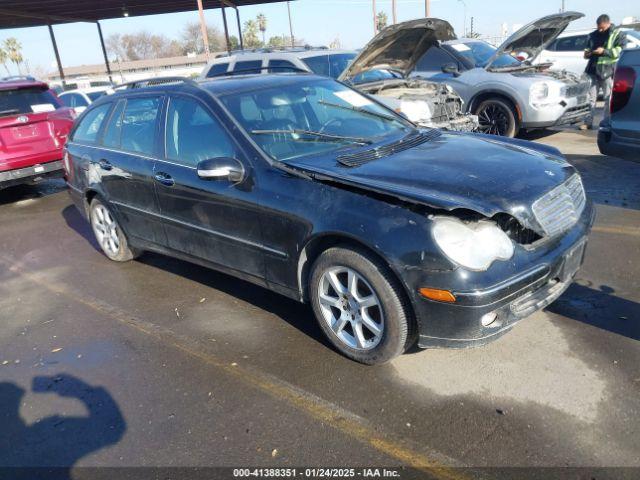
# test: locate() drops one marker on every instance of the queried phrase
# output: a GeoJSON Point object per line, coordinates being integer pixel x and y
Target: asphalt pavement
{"type": "Point", "coordinates": [161, 363]}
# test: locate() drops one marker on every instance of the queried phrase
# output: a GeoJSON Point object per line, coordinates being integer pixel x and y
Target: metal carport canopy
{"type": "Point", "coordinates": [36, 13]}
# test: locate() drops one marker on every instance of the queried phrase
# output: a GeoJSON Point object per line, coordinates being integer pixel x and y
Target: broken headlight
{"type": "Point", "coordinates": [474, 245]}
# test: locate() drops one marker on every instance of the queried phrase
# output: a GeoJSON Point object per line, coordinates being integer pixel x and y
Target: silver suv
{"type": "Point", "coordinates": [321, 61]}
{"type": "Point", "coordinates": [506, 93]}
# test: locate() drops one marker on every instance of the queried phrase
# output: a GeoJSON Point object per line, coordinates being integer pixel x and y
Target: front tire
{"type": "Point", "coordinates": [497, 117]}
{"type": "Point", "coordinates": [108, 233]}
{"type": "Point", "coordinates": [359, 305]}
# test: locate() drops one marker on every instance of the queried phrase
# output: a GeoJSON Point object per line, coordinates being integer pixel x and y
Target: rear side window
{"type": "Point", "coordinates": [276, 66]}
{"type": "Point", "coordinates": [139, 125]}
{"type": "Point", "coordinates": [250, 66]}
{"type": "Point", "coordinates": [570, 44]}
{"type": "Point", "coordinates": [27, 100]}
{"type": "Point", "coordinates": [113, 130]}
{"type": "Point", "coordinates": [193, 134]}
{"type": "Point", "coordinates": [89, 126]}
{"type": "Point", "coordinates": [217, 69]}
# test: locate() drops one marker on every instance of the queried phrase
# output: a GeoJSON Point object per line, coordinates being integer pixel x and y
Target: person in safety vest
{"type": "Point", "coordinates": [603, 50]}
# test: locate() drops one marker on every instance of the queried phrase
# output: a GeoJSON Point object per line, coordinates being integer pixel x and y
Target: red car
{"type": "Point", "coordinates": [34, 126]}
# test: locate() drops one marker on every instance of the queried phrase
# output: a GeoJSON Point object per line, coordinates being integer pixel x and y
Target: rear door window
{"type": "Point", "coordinates": [27, 100]}
{"type": "Point", "coordinates": [278, 66]}
{"type": "Point", "coordinates": [113, 129]}
{"type": "Point", "coordinates": [217, 69]}
{"type": "Point", "coordinates": [247, 67]}
{"type": "Point", "coordinates": [139, 123]}
{"type": "Point", "coordinates": [89, 127]}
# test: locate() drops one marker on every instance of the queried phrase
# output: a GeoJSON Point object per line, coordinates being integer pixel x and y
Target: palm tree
{"type": "Point", "coordinates": [261, 19]}
{"type": "Point", "coordinates": [381, 20]}
{"type": "Point", "coordinates": [4, 56]}
{"type": "Point", "coordinates": [14, 52]}
{"type": "Point", "coordinates": [250, 34]}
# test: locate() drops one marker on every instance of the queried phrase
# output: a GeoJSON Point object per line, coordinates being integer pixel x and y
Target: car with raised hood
{"type": "Point", "coordinates": [33, 130]}
{"type": "Point", "coordinates": [506, 93]}
{"type": "Point", "coordinates": [300, 184]}
{"type": "Point", "coordinates": [383, 68]}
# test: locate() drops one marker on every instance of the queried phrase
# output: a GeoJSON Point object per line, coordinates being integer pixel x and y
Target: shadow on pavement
{"type": "Point", "coordinates": [27, 192]}
{"type": "Point", "coordinates": [80, 225]}
{"type": "Point", "coordinates": [600, 308]}
{"type": "Point", "coordinates": [56, 442]}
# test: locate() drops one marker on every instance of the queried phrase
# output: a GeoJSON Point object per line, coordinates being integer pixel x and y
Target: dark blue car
{"type": "Point", "coordinates": [302, 185]}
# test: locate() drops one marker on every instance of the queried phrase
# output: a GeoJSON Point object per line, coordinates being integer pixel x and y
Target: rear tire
{"type": "Point", "coordinates": [497, 117]}
{"type": "Point", "coordinates": [109, 234]}
{"type": "Point", "coordinates": [360, 306]}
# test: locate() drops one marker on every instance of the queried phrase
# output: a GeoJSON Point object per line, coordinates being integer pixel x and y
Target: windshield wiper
{"type": "Point", "coordinates": [359, 110]}
{"type": "Point", "coordinates": [9, 112]}
{"type": "Point", "coordinates": [324, 136]}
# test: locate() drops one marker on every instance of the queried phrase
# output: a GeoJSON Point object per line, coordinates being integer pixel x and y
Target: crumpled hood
{"type": "Point", "coordinates": [453, 171]}
{"type": "Point", "coordinates": [534, 37]}
{"type": "Point", "coordinates": [400, 46]}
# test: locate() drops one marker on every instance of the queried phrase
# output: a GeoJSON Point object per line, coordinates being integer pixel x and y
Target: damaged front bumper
{"type": "Point", "coordinates": [482, 315]}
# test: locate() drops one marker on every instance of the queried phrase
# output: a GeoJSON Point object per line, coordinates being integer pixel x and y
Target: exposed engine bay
{"type": "Point", "coordinates": [428, 104]}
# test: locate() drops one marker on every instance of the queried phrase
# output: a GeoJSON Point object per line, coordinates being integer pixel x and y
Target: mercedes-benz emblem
{"type": "Point", "coordinates": [23, 119]}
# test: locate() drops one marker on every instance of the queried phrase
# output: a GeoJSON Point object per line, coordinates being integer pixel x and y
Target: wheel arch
{"type": "Point", "coordinates": [321, 242]}
{"type": "Point", "coordinates": [488, 94]}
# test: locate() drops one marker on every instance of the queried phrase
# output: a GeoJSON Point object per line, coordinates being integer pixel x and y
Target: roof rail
{"type": "Point", "coordinates": [153, 82]}
{"type": "Point", "coordinates": [256, 70]}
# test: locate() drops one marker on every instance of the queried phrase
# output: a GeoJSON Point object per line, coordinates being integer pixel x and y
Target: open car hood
{"type": "Point", "coordinates": [534, 37]}
{"type": "Point", "coordinates": [400, 46]}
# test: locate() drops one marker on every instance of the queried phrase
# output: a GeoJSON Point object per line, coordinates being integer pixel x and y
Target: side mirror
{"type": "Point", "coordinates": [451, 68]}
{"type": "Point", "coordinates": [221, 168]}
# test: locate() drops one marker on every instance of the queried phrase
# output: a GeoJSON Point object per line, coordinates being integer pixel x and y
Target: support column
{"type": "Point", "coordinates": [239, 29]}
{"type": "Point", "coordinates": [55, 50]}
{"type": "Point", "coordinates": [226, 28]}
{"type": "Point", "coordinates": [104, 52]}
{"type": "Point", "coordinates": [293, 42]}
{"type": "Point", "coordinates": [427, 8]}
{"type": "Point", "coordinates": [203, 29]}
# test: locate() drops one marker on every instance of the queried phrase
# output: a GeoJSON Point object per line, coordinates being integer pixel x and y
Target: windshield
{"type": "Point", "coordinates": [329, 65]}
{"type": "Point", "coordinates": [311, 117]}
{"type": "Point", "coordinates": [479, 54]}
{"type": "Point", "coordinates": [634, 34]}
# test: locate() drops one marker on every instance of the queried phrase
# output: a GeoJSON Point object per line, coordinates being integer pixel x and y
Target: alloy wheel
{"type": "Point", "coordinates": [106, 229]}
{"type": "Point", "coordinates": [351, 308]}
{"type": "Point", "coordinates": [494, 119]}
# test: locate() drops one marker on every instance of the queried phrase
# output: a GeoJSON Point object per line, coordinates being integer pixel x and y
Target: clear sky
{"type": "Point", "coordinates": [317, 21]}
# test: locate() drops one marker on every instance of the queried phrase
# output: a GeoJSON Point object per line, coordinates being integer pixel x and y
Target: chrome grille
{"type": "Point", "coordinates": [559, 209]}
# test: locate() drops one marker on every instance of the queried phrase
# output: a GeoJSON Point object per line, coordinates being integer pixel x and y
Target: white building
{"type": "Point", "coordinates": [85, 76]}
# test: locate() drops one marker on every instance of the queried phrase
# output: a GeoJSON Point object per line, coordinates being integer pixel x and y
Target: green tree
{"type": "Point", "coordinates": [4, 56]}
{"type": "Point", "coordinates": [14, 52]}
{"type": "Point", "coordinates": [261, 20]}
{"type": "Point", "coordinates": [381, 20]}
{"type": "Point", "coordinates": [250, 34]}
{"type": "Point", "coordinates": [276, 42]}
{"type": "Point", "coordinates": [234, 43]}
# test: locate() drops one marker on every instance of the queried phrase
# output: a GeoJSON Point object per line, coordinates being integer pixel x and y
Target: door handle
{"type": "Point", "coordinates": [165, 179]}
{"type": "Point", "coordinates": [104, 165]}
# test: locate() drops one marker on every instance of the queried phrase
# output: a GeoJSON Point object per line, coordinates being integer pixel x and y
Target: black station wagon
{"type": "Point", "coordinates": [395, 235]}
